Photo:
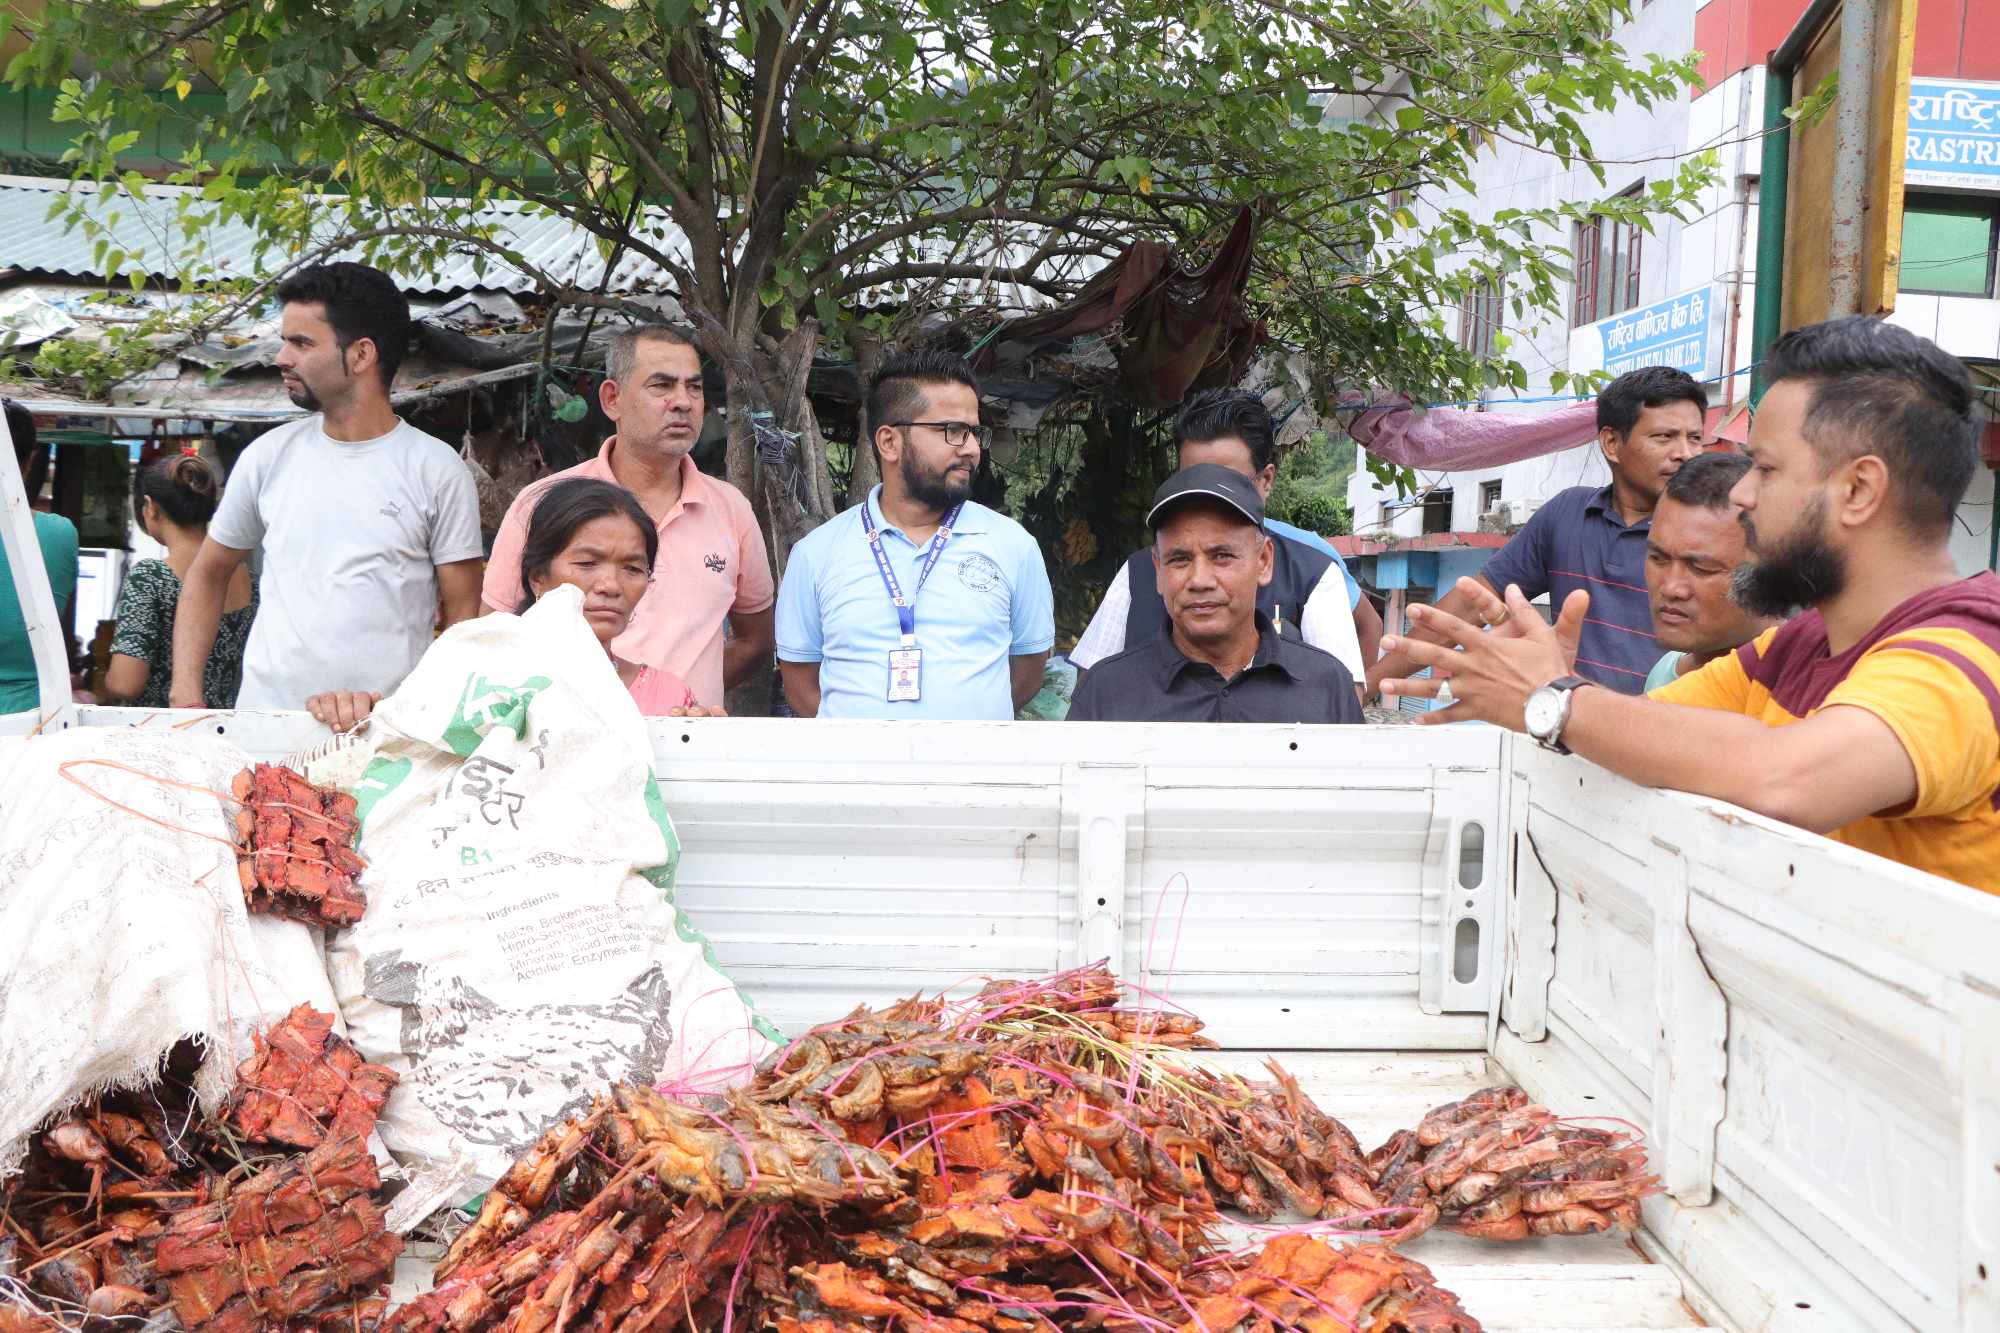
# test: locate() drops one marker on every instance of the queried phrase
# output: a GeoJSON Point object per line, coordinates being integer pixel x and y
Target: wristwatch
{"type": "Point", "coordinates": [1547, 711]}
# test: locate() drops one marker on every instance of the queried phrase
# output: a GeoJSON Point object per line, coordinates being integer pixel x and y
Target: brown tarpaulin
{"type": "Point", "coordinates": [1179, 330]}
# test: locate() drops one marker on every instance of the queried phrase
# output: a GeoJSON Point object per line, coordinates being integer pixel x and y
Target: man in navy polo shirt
{"type": "Point", "coordinates": [1221, 659]}
{"type": "Point", "coordinates": [1311, 595]}
{"type": "Point", "coordinates": [1649, 422]}
{"type": "Point", "coordinates": [918, 602]}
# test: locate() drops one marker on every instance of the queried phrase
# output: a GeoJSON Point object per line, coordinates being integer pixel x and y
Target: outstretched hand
{"type": "Point", "coordinates": [1491, 668]}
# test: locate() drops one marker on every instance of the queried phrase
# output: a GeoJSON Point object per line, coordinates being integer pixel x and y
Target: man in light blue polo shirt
{"type": "Point", "coordinates": [919, 602]}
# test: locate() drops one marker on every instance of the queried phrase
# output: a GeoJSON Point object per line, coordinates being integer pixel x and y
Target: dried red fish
{"type": "Point", "coordinates": [295, 847]}
{"type": "Point", "coordinates": [296, 1243]}
{"type": "Point", "coordinates": [1497, 1167]}
{"type": "Point", "coordinates": [305, 1084]}
{"type": "Point", "coordinates": [285, 1243]}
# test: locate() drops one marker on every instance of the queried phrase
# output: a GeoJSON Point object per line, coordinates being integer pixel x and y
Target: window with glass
{"type": "Point", "coordinates": [1479, 317]}
{"type": "Point", "coordinates": [1607, 267]}
{"type": "Point", "coordinates": [1949, 244]}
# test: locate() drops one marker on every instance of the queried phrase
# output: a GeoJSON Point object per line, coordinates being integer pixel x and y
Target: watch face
{"type": "Point", "coordinates": [1543, 712]}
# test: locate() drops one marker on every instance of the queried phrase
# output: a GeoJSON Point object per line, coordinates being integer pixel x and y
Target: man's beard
{"type": "Point", "coordinates": [934, 489]}
{"type": "Point", "coordinates": [303, 396]}
{"type": "Point", "coordinates": [1803, 570]}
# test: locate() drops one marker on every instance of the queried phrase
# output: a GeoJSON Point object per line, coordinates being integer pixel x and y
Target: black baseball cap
{"type": "Point", "coordinates": [1209, 481]}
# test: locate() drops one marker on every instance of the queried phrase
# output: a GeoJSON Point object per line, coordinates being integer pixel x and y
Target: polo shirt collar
{"type": "Point", "coordinates": [1605, 506]}
{"type": "Point", "coordinates": [1272, 651]}
{"type": "Point", "coordinates": [694, 484]}
{"type": "Point", "coordinates": [972, 520]}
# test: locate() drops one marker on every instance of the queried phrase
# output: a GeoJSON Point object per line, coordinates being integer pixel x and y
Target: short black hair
{"type": "Point", "coordinates": [1620, 402]}
{"type": "Point", "coordinates": [30, 454]}
{"type": "Point", "coordinates": [184, 487]}
{"type": "Point", "coordinates": [1882, 390]}
{"type": "Point", "coordinates": [621, 354]}
{"type": "Point", "coordinates": [896, 392]}
{"type": "Point", "coordinates": [562, 509]}
{"type": "Point", "coordinates": [361, 302]}
{"type": "Point", "coordinates": [21, 425]}
{"type": "Point", "coordinates": [1228, 414]}
{"type": "Point", "coordinates": [1706, 480]}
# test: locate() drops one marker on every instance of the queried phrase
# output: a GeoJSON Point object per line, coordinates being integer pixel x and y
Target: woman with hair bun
{"type": "Point", "coordinates": [173, 501]}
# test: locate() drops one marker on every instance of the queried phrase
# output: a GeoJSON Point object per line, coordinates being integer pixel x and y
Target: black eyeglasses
{"type": "Point", "coordinates": [955, 433]}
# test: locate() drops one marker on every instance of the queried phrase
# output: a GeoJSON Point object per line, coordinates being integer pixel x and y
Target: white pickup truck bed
{"type": "Point", "coordinates": [1809, 1036]}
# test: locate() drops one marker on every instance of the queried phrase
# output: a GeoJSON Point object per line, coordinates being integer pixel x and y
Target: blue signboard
{"type": "Point", "coordinates": [1673, 332]}
{"type": "Point", "coordinates": [1954, 134]}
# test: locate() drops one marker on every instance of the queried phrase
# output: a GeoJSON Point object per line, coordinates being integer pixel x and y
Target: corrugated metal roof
{"type": "Point", "coordinates": [148, 228]}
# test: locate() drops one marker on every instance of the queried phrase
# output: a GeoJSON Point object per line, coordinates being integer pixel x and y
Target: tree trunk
{"type": "Point", "coordinates": [776, 456]}
{"type": "Point", "coordinates": [867, 467]}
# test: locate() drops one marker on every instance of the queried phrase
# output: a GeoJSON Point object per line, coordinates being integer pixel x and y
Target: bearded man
{"type": "Point", "coordinates": [918, 603]}
{"type": "Point", "coordinates": [1872, 717]}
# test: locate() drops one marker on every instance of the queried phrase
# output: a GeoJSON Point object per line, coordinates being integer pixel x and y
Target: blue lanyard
{"type": "Point", "coordinates": [906, 608]}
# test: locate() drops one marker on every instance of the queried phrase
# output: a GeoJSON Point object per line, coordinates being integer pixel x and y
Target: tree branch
{"type": "Point", "coordinates": [876, 277]}
{"type": "Point", "coordinates": [589, 219]}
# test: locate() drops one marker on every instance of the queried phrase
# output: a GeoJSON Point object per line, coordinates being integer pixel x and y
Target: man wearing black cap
{"type": "Point", "coordinates": [1223, 661]}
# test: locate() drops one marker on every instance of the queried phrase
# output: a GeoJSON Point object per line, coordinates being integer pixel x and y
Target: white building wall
{"type": "Point", "coordinates": [1639, 145]}
{"type": "Point", "coordinates": [1716, 243]}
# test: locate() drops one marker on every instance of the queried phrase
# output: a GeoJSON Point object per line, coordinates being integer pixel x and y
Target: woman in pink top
{"type": "Point", "coordinates": [593, 536]}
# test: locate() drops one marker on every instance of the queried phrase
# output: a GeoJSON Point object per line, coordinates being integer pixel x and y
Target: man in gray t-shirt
{"type": "Point", "coordinates": [363, 519]}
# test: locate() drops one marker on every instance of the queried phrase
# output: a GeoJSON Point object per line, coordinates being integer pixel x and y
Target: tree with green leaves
{"type": "Point", "coordinates": [804, 169]}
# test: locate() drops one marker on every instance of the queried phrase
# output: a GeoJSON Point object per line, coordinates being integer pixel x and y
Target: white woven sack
{"type": "Point", "coordinates": [521, 950]}
{"type": "Point", "coordinates": [122, 923]}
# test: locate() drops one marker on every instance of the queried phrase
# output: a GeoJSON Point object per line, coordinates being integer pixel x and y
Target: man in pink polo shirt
{"type": "Point", "coordinates": [712, 567]}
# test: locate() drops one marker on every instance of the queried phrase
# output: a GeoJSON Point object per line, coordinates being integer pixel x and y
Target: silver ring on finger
{"type": "Point", "coordinates": [1444, 694]}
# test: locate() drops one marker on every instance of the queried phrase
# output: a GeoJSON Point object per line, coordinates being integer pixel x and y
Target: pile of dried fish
{"type": "Point", "coordinates": [1299, 1282]}
{"type": "Point", "coordinates": [295, 848]}
{"type": "Point", "coordinates": [1033, 1158]}
{"type": "Point", "coordinates": [1498, 1167]}
{"type": "Point", "coordinates": [295, 1242]}
{"type": "Point", "coordinates": [133, 1203]}
{"type": "Point", "coordinates": [1267, 1147]}
{"type": "Point", "coordinates": [306, 1085]}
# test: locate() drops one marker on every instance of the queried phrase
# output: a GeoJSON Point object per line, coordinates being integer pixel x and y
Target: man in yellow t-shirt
{"type": "Point", "coordinates": [1874, 716]}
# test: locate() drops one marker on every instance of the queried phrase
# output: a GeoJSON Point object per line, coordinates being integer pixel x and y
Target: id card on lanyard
{"type": "Point", "coordinates": [906, 663]}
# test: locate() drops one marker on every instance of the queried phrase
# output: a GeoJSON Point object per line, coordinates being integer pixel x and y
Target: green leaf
{"type": "Point", "coordinates": [899, 48]}
{"type": "Point", "coordinates": [440, 32]}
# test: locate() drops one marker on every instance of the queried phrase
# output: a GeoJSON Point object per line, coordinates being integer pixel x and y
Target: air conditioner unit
{"type": "Point", "coordinates": [1508, 515]}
